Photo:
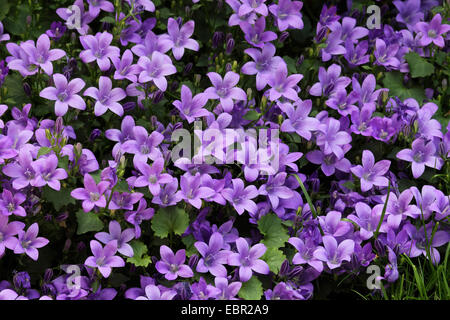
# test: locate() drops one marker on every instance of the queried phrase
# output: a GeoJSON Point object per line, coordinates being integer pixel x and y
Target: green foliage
{"type": "Point", "coordinates": [58, 199]}
{"type": "Point", "coordinates": [394, 82]}
{"type": "Point", "coordinates": [274, 258]}
{"type": "Point", "coordinates": [275, 234]}
{"type": "Point", "coordinates": [251, 290]}
{"type": "Point", "coordinates": [418, 66]}
{"type": "Point", "coordinates": [170, 220]}
{"type": "Point", "coordinates": [88, 222]}
{"type": "Point", "coordinates": [140, 257]}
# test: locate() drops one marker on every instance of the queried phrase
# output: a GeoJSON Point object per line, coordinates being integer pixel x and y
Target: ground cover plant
{"type": "Point", "coordinates": [237, 149]}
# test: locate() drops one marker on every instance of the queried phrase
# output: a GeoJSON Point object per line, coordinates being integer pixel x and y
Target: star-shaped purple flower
{"type": "Point", "coordinates": [106, 96]}
{"type": "Point", "coordinates": [179, 38]}
{"type": "Point", "coordinates": [225, 89]}
{"type": "Point", "coordinates": [247, 259]}
{"type": "Point", "coordinates": [172, 265]}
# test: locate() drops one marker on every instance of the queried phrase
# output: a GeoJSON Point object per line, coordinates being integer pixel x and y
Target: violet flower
{"type": "Point", "coordinates": [168, 195]}
{"type": "Point", "coordinates": [104, 258]}
{"type": "Point", "coordinates": [96, 5]}
{"type": "Point", "coordinates": [136, 217]}
{"type": "Point", "coordinates": [29, 242]}
{"type": "Point", "coordinates": [106, 96]}
{"type": "Point", "coordinates": [228, 291]}
{"type": "Point", "coordinates": [3, 36]}
{"type": "Point", "coordinates": [8, 232]}
{"type": "Point", "coordinates": [329, 162]}
{"type": "Point", "coordinates": [264, 64]}
{"type": "Point", "coordinates": [356, 55]}
{"type": "Point", "coordinates": [116, 234]}
{"type": "Point", "coordinates": [409, 12]}
{"type": "Point", "coordinates": [432, 32]}
{"type": "Point", "coordinates": [48, 173]}
{"type": "Point", "coordinates": [298, 120]}
{"type": "Point", "coordinates": [213, 257]}
{"type": "Point", "coordinates": [124, 200]}
{"type": "Point", "coordinates": [144, 146]}
{"type": "Point", "coordinates": [331, 139]}
{"type": "Point", "coordinates": [179, 38]}
{"type": "Point", "coordinates": [255, 34]}
{"type": "Point", "coordinates": [152, 176]}
{"type": "Point", "coordinates": [172, 265]}
{"type": "Point", "coordinates": [283, 85]}
{"type": "Point", "coordinates": [92, 194]}
{"type": "Point", "coordinates": [11, 204]}
{"type": "Point", "coordinates": [342, 103]}
{"type": "Point", "coordinates": [247, 259]}
{"type": "Point", "coordinates": [256, 6]}
{"type": "Point", "coordinates": [371, 173]}
{"type": "Point", "coordinates": [152, 292]}
{"type": "Point", "coordinates": [305, 253]}
{"type": "Point", "coordinates": [367, 219]}
{"type": "Point", "coordinates": [385, 55]}
{"type": "Point", "coordinates": [333, 254]}
{"type": "Point", "coordinates": [65, 94]}
{"type": "Point", "coordinates": [192, 191]}
{"type": "Point", "coordinates": [97, 48]}
{"type": "Point", "coordinates": [21, 171]}
{"type": "Point", "coordinates": [156, 69]}
{"type": "Point", "coordinates": [150, 44]}
{"type": "Point", "coordinates": [125, 69]}
{"type": "Point", "coordinates": [288, 14]}
{"type": "Point", "coordinates": [84, 17]}
{"type": "Point", "coordinates": [3, 108]}
{"type": "Point", "coordinates": [191, 107]}
{"type": "Point", "coordinates": [41, 55]}
{"type": "Point", "coordinates": [329, 81]}
{"type": "Point", "coordinates": [225, 89]}
{"type": "Point", "coordinates": [366, 93]}
{"type": "Point", "coordinates": [240, 197]}
{"type": "Point", "coordinates": [121, 136]}
{"type": "Point", "coordinates": [421, 155]}
{"type": "Point", "coordinates": [275, 189]}
{"type": "Point", "coordinates": [333, 225]}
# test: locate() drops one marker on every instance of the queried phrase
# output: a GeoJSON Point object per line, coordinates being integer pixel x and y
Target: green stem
{"type": "Point", "coordinates": [384, 211]}
{"type": "Point", "coordinates": [308, 199]}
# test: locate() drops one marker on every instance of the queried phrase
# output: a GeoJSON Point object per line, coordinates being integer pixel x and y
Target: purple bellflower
{"type": "Point", "coordinates": [29, 242]}
{"type": "Point", "coordinates": [97, 48]}
{"type": "Point", "coordinates": [92, 194]}
{"type": "Point", "coordinates": [104, 258]}
{"type": "Point", "coordinates": [179, 38]}
{"type": "Point", "coordinates": [65, 94]}
{"type": "Point", "coordinates": [371, 173]}
{"type": "Point", "coordinates": [172, 265]}
{"type": "Point", "coordinates": [106, 97]}
{"type": "Point", "coordinates": [213, 257]}
{"type": "Point", "coordinates": [41, 55]}
{"type": "Point", "coordinates": [247, 259]}
{"type": "Point", "coordinates": [240, 197]}
{"type": "Point", "coordinates": [225, 89]}
{"type": "Point", "coordinates": [333, 254]}
{"type": "Point", "coordinates": [115, 233]}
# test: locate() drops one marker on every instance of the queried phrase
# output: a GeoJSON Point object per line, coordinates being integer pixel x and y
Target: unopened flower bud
{"type": "Point", "coordinates": [230, 46]}
{"type": "Point", "coordinates": [228, 67]}
{"type": "Point", "coordinates": [27, 88]}
{"type": "Point", "coordinates": [284, 35]}
{"type": "Point", "coordinates": [188, 68]}
{"type": "Point", "coordinates": [128, 106]}
{"type": "Point", "coordinates": [59, 126]}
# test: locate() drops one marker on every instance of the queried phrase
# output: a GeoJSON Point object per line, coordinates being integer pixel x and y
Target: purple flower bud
{"type": "Point", "coordinates": [128, 106]}
{"type": "Point", "coordinates": [228, 67]}
{"type": "Point", "coordinates": [193, 261]}
{"type": "Point", "coordinates": [95, 134]}
{"type": "Point", "coordinates": [230, 46]}
{"type": "Point", "coordinates": [217, 39]}
{"type": "Point", "coordinates": [158, 96]}
{"type": "Point", "coordinates": [62, 217]}
{"type": "Point", "coordinates": [48, 275]}
{"type": "Point", "coordinates": [219, 5]}
{"type": "Point", "coordinates": [187, 68]}
{"type": "Point", "coordinates": [21, 280]}
{"type": "Point", "coordinates": [174, 86]}
{"type": "Point", "coordinates": [321, 34]}
{"type": "Point", "coordinates": [329, 89]}
{"type": "Point", "coordinates": [379, 246]}
{"type": "Point", "coordinates": [295, 271]}
{"type": "Point", "coordinates": [179, 21]}
{"type": "Point", "coordinates": [187, 11]}
{"type": "Point", "coordinates": [284, 269]}
{"type": "Point", "coordinates": [29, 19]}
{"type": "Point", "coordinates": [59, 125]}
{"type": "Point", "coordinates": [300, 60]}
{"type": "Point", "coordinates": [429, 92]}
{"type": "Point", "coordinates": [27, 89]}
{"type": "Point", "coordinates": [284, 35]}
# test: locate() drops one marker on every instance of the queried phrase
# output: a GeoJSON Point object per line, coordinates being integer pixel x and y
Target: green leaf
{"type": "Point", "coordinates": [63, 163]}
{"type": "Point", "coordinates": [291, 64]}
{"type": "Point", "coordinates": [87, 222]}
{"type": "Point", "coordinates": [59, 198]}
{"type": "Point", "coordinates": [251, 290]}
{"type": "Point", "coordinates": [418, 66]}
{"type": "Point", "coordinates": [4, 9]}
{"type": "Point", "coordinates": [189, 243]}
{"type": "Point", "coordinates": [275, 235]}
{"type": "Point", "coordinates": [252, 115]}
{"type": "Point", "coordinates": [43, 151]}
{"type": "Point", "coordinates": [394, 81]}
{"type": "Point", "coordinates": [274, 258]}
{"type": "Point", "coordinates": [108, 19]}
{"type": "Point", "coordinates": [170, 220]}
{"type": "Point", "coordinates": [140, 257]}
